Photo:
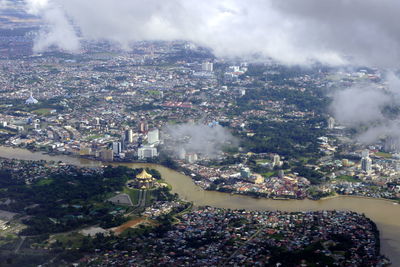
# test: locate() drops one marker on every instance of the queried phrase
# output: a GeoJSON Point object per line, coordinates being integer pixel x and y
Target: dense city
{"type": "Point", "coordinates": [212, 236]}
{"type": "Point", "coordinates": [148, 105]}
{"type": "Point", "coordinates": [105, 131]}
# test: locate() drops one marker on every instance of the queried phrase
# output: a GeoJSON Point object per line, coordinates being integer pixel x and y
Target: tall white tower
{"type": "Point", "coordinates": [129, 136]}
{"type": "Point", "coordinates": [207, 66]}
{"type": "Point", "coordinates": [153, 137]}
{"type": "Point", "coordinates": [366, 164]}
{"type": "Point", "coordinates": [331, 123]}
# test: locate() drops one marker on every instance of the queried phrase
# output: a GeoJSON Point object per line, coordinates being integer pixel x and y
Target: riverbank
{"type": "Point", "coordinates": [96, 161]}
{"type": "Point", "coordinates": [362, 197]}
{"type": "Point", "coordinates": [356, 196]}
{"type": "Point", "coordinates": [25, 154]}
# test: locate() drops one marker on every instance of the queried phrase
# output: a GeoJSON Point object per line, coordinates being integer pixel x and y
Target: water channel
{"type": "Point", "coordinates": [384, 213]}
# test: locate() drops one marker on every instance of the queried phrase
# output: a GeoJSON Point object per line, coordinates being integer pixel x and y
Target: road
{"type": "Point", "coordinates": [18, 247]}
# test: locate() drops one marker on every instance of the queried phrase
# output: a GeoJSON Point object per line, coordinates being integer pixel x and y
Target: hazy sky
{"type": "Point", "coordinates": [290, 31]}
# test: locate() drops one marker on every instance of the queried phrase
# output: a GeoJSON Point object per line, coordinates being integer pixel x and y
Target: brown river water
{"type": "Point", "coordinates": [384, 213]}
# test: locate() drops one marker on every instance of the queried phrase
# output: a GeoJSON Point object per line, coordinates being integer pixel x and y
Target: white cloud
{"type": "Point", "coordinates": [200, 138]}
{"type": "Point", "coordinates": [290, 31]}
{"type": "Point", "coordinates": [58, 30]}
{"type": "Point", "coordinates": [363, 107]}
{"type": "Point", "coordinates": [36, 6]}
{"type": "Point", "coordinates": [361, 104]}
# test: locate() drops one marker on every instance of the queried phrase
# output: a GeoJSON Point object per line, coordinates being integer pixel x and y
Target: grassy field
{"type": "Point", "coordinates": [92, 137]}
{"type": "Point", "coordinates": [43, 111]}
{"type": "Point", "coordinates": [133, 194]}
{"type": "Point", "coordinates": [153, 92]}
{"type": "Point", "coordinates": [172, 122]}
{"type": "Point", "coordinates": [7, 131]}
{"type": "Point", "coordinates": [383, 155]}
{"type": "Point", "coordinates": [347, 178]}
{"type": "Point", "coordinates": [45, 182]}
{"type": "Point", "coordinates": [72, 240]}
{"type": "Point", "coordinates": [268, 174]}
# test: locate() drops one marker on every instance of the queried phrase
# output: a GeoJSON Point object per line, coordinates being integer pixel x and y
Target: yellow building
{"type": "Point", "coordinates": [85, 151]}
{"type": "Point", "coordinates": [259, 179]}
{"type": "Point", "coordinates": [144, 180]}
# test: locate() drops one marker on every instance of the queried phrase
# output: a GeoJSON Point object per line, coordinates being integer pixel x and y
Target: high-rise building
{"type": "Point", "coordinates": [153, 137]}
{"type": "Point", "coordinates": [96, 121]}
{"type": "Point", "coordinates": [331, 123]}
{"type": "Point", "coordinates": [365, 153]}
{"type": "Point", "coordinates": [181, 153]}
{"type": "Point", "coordinates": [116, 147]}
{"type": "Point", "coordinates": [277, 161]}
{"type": "Point", "coordinates": [129, 136]}
{"type": "Point", "coordinates": [207, 66]}
{"type": "Point", "coordinates": [366, 164]}
{"type": "Point", "coordinates": [143, 126]}
{"type": "Point", "coordinates": [107, 155]}
{"type": "Point", "coordinates": [397, 166]}
{"type": "Point", "coordinates": [147, 152]}
{"type": "Point", "coordinates": [245, 173]}
{"type": "Point", "coordinates": [191, 157]}
{"type": "Point", "coordinates": [234, 68]}
{"type": "Point", "coordinates": [85, 151]}
{"type": "Point", "coordinates": [392, 144]}
{"type": "Point", "coordinates": [123, 142]}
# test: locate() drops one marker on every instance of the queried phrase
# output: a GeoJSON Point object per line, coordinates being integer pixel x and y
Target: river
{"type": "Point", "coordinates": [384, 213]}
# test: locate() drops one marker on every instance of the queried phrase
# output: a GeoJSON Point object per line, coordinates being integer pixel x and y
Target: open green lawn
{"type": "Point", "coordinates": [268, 174]}
{"type": "Point", "coordinates": [153, 92]}
{"type": "Point", "coordinates": [133, 194]}
{"type": "Point", "coordinates": [42, 111]}
{"type": "Point", "coordinates": [7, 131]}
{"type": "Point", "coordinates": [92, 137]}
{"type": "Point", "coordinates": [45, 182]}
{"type": "Point", "coordinates": [304, 159]}
{"type": "Point", "coordinates": [347, 178]}
{"type": "Point", "coordinates": [73, 240]}
{"type": "Point", "coordinates": [383, 155]}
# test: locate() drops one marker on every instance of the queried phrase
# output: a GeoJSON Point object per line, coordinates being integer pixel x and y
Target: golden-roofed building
{"type": "Point", "coordinates": [144, 175]}
{"type": "Point", "coordinates": [144, 180]}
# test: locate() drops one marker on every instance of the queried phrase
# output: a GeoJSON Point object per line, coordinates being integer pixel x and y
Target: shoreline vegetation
{"type": "Point", "coordinates": [173, 166]}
